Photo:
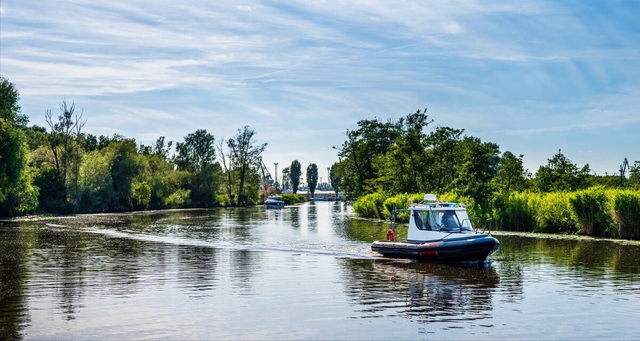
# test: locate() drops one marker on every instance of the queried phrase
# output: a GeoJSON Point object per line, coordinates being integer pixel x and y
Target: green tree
{"type": "Point", "coordinates": [511, 174]}
{"type": "Point", "coordinates": [477, 168]}
{"type": "Point", "coordinates": [334, 178]}
{"type": "Point", "coordinates": [561, 175]}
{"type": "Point", "coordinates": [286, 178]}
{"type": "Point", "coordinates": [17, 194]}
{"type": "Point", "coordinates": [312, 177]}
{"type": "Point", "coordinates": [63, 142]}
{"type": "Point", "coordinates": [296, 172]}
{"type": "Point", "coordinates": [196, 152]}
{"type": "Point", "coordinates": [245, 159]}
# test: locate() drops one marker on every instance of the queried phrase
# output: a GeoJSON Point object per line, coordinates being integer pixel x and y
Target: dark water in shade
{"type": "Point", "coordinates": [304, 272]}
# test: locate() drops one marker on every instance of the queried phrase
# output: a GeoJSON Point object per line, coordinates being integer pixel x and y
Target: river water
{"type": "Point", "coordinates": [303, 272]}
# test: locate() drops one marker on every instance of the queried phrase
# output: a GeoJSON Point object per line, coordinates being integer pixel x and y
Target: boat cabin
{"type": "Point", "coordinates": [429, 220]}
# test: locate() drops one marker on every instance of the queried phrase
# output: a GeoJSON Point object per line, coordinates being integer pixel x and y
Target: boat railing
{"type": "Point", "coordinates": [488, 224]}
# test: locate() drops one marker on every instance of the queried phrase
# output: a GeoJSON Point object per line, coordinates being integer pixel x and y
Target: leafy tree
{"type": "Point", "coordinates": [296, 172]}
{"type": "Point", "coordinates": [561, 175]}
{"type": "Point", "coordinates": [10, 110]}
{"type": "Point", "coordinates": [477, 168]}
{"type": "Point", "coordinates": [511, 174]}
{"type": "Point", "coordinates": [127, 168]}
{"type": "Point", "coordinates": [286, 178]}
{"type": "Point", "coordinates": [63, 142]}
{"type": "Point", "coordinates": [312, 177]}
{"type": "Point", "coordinates": [364, 146]}
{"type": "Point", "coordinates": [334, 178]}
{"type": "Point", "coordinates": [245, 159]}
{"type": "Point", "coordinates": [443, 157]}
{"type": "Point", "coordinates": [17, 195]}
{"type": "Point", "coordinates": [196, 152]}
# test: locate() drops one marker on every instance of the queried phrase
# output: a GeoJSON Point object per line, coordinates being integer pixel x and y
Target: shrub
{"type": "Point", "coordinates": [290, 199]}
{"type": "Point", "coordinates": [370, 205]}
{"type": "Point", "coordinates": [178, 198]}
{"type": "Point", "coordinates": [223, 200]}
{"type": "Point", "coordinates": [626, 213]}
{"type": "Point", "coordinates": [590, 208]}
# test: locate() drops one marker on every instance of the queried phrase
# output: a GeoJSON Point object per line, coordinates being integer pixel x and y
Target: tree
{"type": "Point", "coordinates": [10, 110]}
{"type": "Point", "coordinates": [296, 172]}
{"type": "Point", "coordinates": [64, 146]}
{"type": "Point", "coordinates": [312, 177]}
{"type": "Point", "coordinates": [245, 158]}
{"type": "Point", "coordinates": [286, 178]}
{"type": "Point", "coordinates": [196, 152]}
{"type": "Point", "coordinates": [17, 195]}
{"type": "Point", "coordinates": [561, 175]}
{"type": "Point", "coordinates": [334, 178]}
{"type": "Point", "coordinates": [477, 169]}
{"type": "Point", "coordinates": [511, 174]}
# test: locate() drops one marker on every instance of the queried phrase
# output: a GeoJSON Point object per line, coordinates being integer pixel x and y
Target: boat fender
{"type": "Point", "coordinates": [391, 235]}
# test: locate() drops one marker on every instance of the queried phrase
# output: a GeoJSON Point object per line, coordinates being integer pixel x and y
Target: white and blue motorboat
{"type": "Point", "coordinates": [274, 202]}
{"type": "Point", "coordinates": [438, 231]}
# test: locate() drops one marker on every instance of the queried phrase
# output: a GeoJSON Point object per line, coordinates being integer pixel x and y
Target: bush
{"type": "Point", "coordinates": [554, 214]}
{"type": "Point", "coordinates": [223, 200]}
{"type": "Point", "coordinates": [178, 198]}
{"type": "Point", "coordinates": [626, 213]}
{"type": "Point", "coordinates": [370, 206]}
{"type": "Point", "coordinates": [591, 210]}
{"type": "Point", "coordinates": [290, 199]}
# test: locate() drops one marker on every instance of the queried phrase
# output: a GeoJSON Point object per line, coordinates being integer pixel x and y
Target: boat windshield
{"type": "Point", "coordinates": [445, 220]}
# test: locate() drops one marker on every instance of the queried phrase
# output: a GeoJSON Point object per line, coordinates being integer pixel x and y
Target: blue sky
{"type": "Point", "coordinates": [532, 76]}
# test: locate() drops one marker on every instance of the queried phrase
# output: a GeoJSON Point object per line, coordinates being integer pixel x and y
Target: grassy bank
{"type": "Point", "coordinates": [592, 212]}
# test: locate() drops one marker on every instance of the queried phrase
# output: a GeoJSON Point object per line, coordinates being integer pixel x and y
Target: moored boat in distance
{"type": "Point", "coordinates": [274, 202]}
{"type": "Point", "coordinates": [438, 231]}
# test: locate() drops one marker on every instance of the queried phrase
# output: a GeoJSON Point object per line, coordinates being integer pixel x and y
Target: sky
{"type": "Point", "coordinates": [533, 77]}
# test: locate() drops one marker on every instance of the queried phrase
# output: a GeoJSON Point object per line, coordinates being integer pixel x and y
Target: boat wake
{"type": "Point", "coordinates": [353, 250]}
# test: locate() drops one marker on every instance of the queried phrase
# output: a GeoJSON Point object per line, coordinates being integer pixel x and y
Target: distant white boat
{"type": "Point", "coordinates": [317, 198]}
{"type": "Point", "coordinates": [274, 202]}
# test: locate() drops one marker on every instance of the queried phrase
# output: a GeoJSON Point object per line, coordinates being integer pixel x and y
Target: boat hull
{"type": "Point", "coordinates": [463, 249]}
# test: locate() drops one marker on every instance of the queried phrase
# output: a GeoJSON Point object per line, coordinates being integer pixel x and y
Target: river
{"type": "Point", "coordinates": [302, 272]}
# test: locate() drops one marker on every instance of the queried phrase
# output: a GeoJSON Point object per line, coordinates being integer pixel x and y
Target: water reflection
{"type": "Point", "coordinates": [420, 291]}
{"type": "Point", "coordinates": [311, 261]}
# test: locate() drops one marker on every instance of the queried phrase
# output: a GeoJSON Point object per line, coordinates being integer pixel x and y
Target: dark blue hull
{"type": "Point", "coordinates": [467, 248]}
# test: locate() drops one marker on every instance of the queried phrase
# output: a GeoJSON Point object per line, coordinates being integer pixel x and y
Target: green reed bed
{"type": "Point", "coordinates": [626, 213]}
{"type": "Point", "coordinates": [592, 212]}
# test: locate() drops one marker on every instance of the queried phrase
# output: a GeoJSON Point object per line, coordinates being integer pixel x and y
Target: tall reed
{"type": "Point", "coordinates": [370, 206]}
{"type": "Point", "coordinates": [554, 214]}
{"type": "Point", "coordinates": [515, 211]}
{"type": "Point", "coordinates": [591, 209]}
{"type": "Point", "coordinates": [626, 213]}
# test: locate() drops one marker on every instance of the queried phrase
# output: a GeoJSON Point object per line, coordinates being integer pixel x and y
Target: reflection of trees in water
{"type": "Point", "coordinates": [585, 257]}
{"type": "Point", "coordinates": [427, 292]}
{"type": "Point", "coordinates": [197, 268]}
{"type": "Point", "coordinates": [245, 265]}
{"type": "Point", "coordinates": [13, 279]}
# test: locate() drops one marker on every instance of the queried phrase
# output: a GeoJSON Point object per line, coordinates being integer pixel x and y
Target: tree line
{"type": "Point", "coordinates": [62, 169]}
{"type": "Point", "coordinates": [400, 156]}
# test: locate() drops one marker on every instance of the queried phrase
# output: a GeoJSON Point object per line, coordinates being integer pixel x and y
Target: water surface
{"type": "Point", "coordinates": [303, 272]}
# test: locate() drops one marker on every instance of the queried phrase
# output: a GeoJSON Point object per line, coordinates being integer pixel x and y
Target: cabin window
{"type": "Point", "coordinates": [451, 220]}
{"type": "Point", "coordinates": [421, 218]}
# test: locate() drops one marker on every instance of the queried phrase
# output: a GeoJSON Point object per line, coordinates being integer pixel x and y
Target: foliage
{"type": "Point", "coordinates": [312, 177]}
{"type": "Point", "coordinates": [17, 194]}
{"type": "Point", "coordinates": [291, 199]}
{"type": "Point", "coordinates": [626, 213]}
{"type": "Point", "coordinates": [591, 209]}
{"type": "Point", "coordinates": [554, 214]}
{"type": "Point", "coordinates": [334, 179]}
{"type": "Point", "coordinates": [295, 173]}
{"type": "Point", "coordinates": [515, 211]}
{"type": "Point", "coordinates": [371, 205]}
{"type": "Point", "coordinates": [561, 175]}
{"type": "Point", "coordinates": [511, 174]}
{"type": "Point", "coordinates": [244, 158]}
{"type": "Point", "coordinates": [178, 199]}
